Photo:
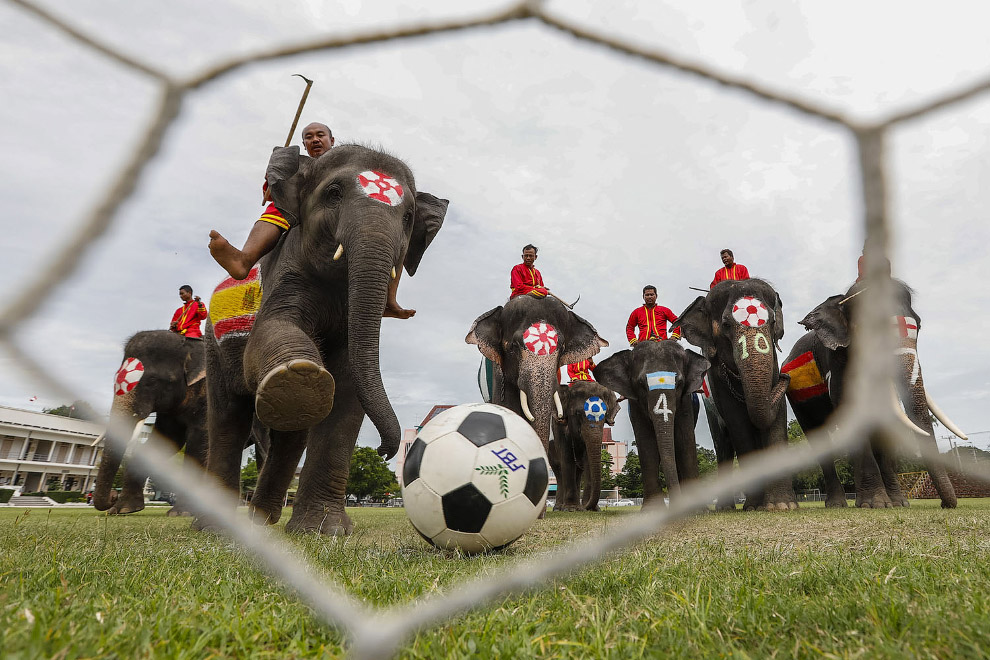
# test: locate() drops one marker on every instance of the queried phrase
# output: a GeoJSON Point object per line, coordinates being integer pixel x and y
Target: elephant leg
{"type": "Point", "coordinates": [276, 475]}
{"type": "Point", "coordinates": [553, 455]}
{"type": "Point", "coordinates": [812, 414]}
{"type": "Point", "coordinates": [319, 502]}
{"type": "Point", "coordinates": [567, 477]}
{"type": "Point", "coordinates": [131, 498]}
{"type": "Point", "coordinates": [888, 472]}
{"type": "Point", "coordinates": [194, 458]}
{"type": "Point", "coordinates": [228, 422]}
{"type": "Point", "coordinates": [649, 455]}
{"type": "Point", "coordinates": [779, 492]}
{"type": "Point", "coordinates": [283, 367]}
{"type": "Point", "coordinates": [870, 490]}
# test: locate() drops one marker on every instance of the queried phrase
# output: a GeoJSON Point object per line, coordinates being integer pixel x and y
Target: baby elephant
{"type": "Point", "coordinates": [658, 379]}
{"type": "Point", "coordinates": [576, 448]}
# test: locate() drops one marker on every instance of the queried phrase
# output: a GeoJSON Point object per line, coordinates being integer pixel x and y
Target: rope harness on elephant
{"type": "Point", "coordinates": [728, 376]}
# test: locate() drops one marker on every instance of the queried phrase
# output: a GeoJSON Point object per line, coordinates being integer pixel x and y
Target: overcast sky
{"type": "Point", "coordinates": [622, 173]}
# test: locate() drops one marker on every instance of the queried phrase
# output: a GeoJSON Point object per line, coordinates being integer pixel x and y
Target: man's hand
{"type": "Point", "coordinates": [197, 299]}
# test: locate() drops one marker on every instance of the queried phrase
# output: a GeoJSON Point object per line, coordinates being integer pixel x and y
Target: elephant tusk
{"type": "Point", "coordinates": [393, 272]}
{"type": "Point", "coordinates": [902, 415]}
{"type": "Point", "coordinates": [525, 406]}
{"type": "Point", "coordinates": [942, 417]}
{"type": "Point", "coordinates": [848, 298]}
{"type": "Point", "coordinates": [138, 428]}
{"type": "Point", "coordinates": [99, 439]}
{"type": "Point", "coordinates": [339, 253]}
{"type": "Point", "coordinates": [560, 407]}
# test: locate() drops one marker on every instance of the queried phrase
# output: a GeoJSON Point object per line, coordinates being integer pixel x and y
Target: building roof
{"type": "Point", "coordinates": [42, 421]}
{"type": "Point", "coordinates": [434, 411]}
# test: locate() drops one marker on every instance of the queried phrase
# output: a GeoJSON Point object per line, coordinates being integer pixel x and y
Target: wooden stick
{"type": "Point", "coordinates": [302, 102]}
{"type": "Point", "coordinates": [694, 288]}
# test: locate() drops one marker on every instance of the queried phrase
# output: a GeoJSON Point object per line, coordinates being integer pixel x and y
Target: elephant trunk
{"type": "Point", "coordinates": [763, 387]}
{"type": "Point", "coordinates": [369, 270]}
{"type": "Point", "coordinates": [122, 425]}
{"type": "Point", "coordinates": [916, 408]}
{"type": "Point", "coordinates": [592, 436]}
{"type": "Point", "coordinates": [664, 431]}
{"type": "Point", "coordinates": [537, 386]}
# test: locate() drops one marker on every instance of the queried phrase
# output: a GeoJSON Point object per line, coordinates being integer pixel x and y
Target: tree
{"type": "Point", "coordinates": [630, 480]}
{"type": "Point", "coordinates": [370, 475]}
{"type": "Point", "coordinates": [707, 461]}
{"type": "Point", "coordinates": [795, 433]}
{"type": "Point", "coordinates": [608, 481]}
{"type": "Point", "coordinates": [249, 474]}
{"type": "Point", "coordinates": [78, 409]}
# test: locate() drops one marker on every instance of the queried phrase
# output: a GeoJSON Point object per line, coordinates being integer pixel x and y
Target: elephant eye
{"type": "Point", "coordinates": [332, 193]}
{"type": "Point", "coordinates": [407, 220]}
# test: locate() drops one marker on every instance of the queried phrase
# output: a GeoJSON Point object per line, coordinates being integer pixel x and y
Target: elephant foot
{"type": "Point", "coordinates": [177, 512]}
{"type": "Point", "coordinates": [201, 525]}
{"type": "Point", "coordinates": [898, 501]}
{"type": "Point", "coordinates": [566, 507]}
{"type": "Point", "coordinates": [781, 506]}
{"type": "Point", "coordinates": [264, 515]}
{"type": "Point", "coordinates": [874, 501]}
{"type": "Point", "coordinates": [122, 507]}
{"type": "Point", "coordinates": [294, 396]}
{"type": "Point", "coordinates": [319, 522]}
{"type": "Point", "coordinates": [949, 504]}
{"type": "Point", "coordinates": [727, 505]}
{"type": "Point", "coordinates": [836, 502]}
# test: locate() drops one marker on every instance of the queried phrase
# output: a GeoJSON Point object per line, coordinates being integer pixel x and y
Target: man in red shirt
{"type": "Point", "coordinates": [526, 280]}
{"type": "Point", "coordinates": [187, 318]}
{"type": "Point", "coordinates": [730, 269]}
{"type": "Point", "coordinates": [651, 319]}
{"type": "Point", "coordinates": [581, 370]}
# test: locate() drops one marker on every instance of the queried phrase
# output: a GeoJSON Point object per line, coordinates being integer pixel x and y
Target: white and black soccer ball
{"type": "Point", "coordinates": [475, 478]}
{"type": "Point", "coordinates": [595, 409]}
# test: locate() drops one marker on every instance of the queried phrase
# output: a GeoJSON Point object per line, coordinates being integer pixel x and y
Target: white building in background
{"type": "Point", "coordinates": [34, 447]}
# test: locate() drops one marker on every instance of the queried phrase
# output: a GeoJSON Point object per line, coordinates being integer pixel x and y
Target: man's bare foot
{"type": "Point", "coordinates": [230, 258]}
{"type": "Point", "coordinates": [394, 311]}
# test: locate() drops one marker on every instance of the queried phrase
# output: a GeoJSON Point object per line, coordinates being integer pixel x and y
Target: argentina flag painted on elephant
{"type": "Point", "coordinates": [661, 380]}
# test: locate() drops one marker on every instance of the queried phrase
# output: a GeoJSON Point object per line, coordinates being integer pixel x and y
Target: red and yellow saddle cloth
{"type": "Point", "coordinates": [806, 379]}
{"type": "Point", "coordinates": [234, 305]}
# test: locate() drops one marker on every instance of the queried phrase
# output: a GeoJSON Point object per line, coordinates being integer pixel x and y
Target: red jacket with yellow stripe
{"type": "Point", "coordinates": [188, 317]}
{"type": "Point", "coordinates": [652, 324]}
{"type": "Point", "coordinates": [524, 280]}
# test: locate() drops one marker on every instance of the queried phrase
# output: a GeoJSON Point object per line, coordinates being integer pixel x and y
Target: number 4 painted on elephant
{"type": "Point", "coordinates": [661, 407]}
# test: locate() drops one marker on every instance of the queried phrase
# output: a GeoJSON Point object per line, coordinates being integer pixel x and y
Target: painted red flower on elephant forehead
{"type": "Point", "coordinates": [380, 187]}
{"type": "Point", "coordinates": [127, 376]}
{"type": "Point", "coordinates": [750, 312]}
{"type": "Point", "coordinates": [540, 338]}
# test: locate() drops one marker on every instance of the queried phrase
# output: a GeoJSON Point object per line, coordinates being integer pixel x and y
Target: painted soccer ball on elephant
{"type": "Point", "coordinates": [475, 478]}
{"type": "Point", "coordinates": [595, 409]}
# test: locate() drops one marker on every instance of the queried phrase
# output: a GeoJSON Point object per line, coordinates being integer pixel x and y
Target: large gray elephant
{"type": "Point", "coordinates": [817, 366]}
{"type": "Point", "coordinates": [356, 218]}
{"type": "Point", "coordinates": [738, 326]}
{"type": "Point", "coordinates": [577, 443]}
{"type": "Point", "coordinates": [529, 340]}
{"type": "Point", "coordinates": [659, 379]}
{"type": "Point", "coordinates": [163, 373]}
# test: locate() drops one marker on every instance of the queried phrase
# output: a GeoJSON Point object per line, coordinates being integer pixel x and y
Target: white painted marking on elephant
{"type": "Point", "coordinates": [595, 409]}
{"type": "Point", "coordinates": [661, 407]}
{"type": "Point", "coordinates": [540, 338]}
{"type": "Point", "coordinates": [127, 376]}
{"type": "Point", "coordinates": [763, 347]}
{"type": "Point", "coordinates": [750, 312]}
{"type": "Point", "coordinates": [907, 327]}
{"type": "Point", "coordinates": [916, 367]}
{"type": "Point", "coordinates": [744, 353]}
{"type": "Point", "coordinates": [380, 187]}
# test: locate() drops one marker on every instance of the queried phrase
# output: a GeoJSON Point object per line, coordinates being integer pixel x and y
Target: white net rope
{"type": "Point", "coordinates": [379, 633]}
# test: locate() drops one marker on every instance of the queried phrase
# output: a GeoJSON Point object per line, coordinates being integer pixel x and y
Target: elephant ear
{"type": "Point", "coordinates": [695, 367]}
{"type": "Point", "coordinates": [429, 215]}
{"type": "Point", "coordinates": [778, 320]}
{"type": "Point", "coordinates": [616, 372]}
{"type": "Point", "coordinates": [581, 341]}
{"type": "Point", "coordinates": [697, 326]}
{"type": "Point", "coordinates": [285, 175]}
{"type": "Point", "coordinates": [486, 334]}
{"type": "Point", "coordinates": [830, 323]}
{"type": "Point", "coordinates": [194, 365]}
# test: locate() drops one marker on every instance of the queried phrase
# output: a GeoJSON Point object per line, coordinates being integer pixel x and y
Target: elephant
{"type": "Point", "coordinates": [577, 443]}
{"type": "Point", "coordinates": [659, 379]}
{"type": "Point", "coordinates": [298, 340]}
{"type": "Point", "coordinates": [529, 339]}
{"type": "Point", "coordinates": [817, 366]}
{"type": "Point", "coordinates": [738, 326]}
{"type": "Point", "coordinates": [163, 373]}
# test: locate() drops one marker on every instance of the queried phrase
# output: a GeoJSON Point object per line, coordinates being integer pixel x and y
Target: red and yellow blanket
{"type": "Point", "coordinates": [234, 305]}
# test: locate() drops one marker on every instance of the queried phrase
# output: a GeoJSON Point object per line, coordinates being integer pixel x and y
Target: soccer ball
{"type": "Point", "coordinates": [595, 409]}
{"type": "Point", "coordinates": [475, 478]}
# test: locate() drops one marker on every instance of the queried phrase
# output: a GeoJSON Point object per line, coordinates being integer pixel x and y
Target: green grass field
{"type": "Point", "coordinates": [813, 583]}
